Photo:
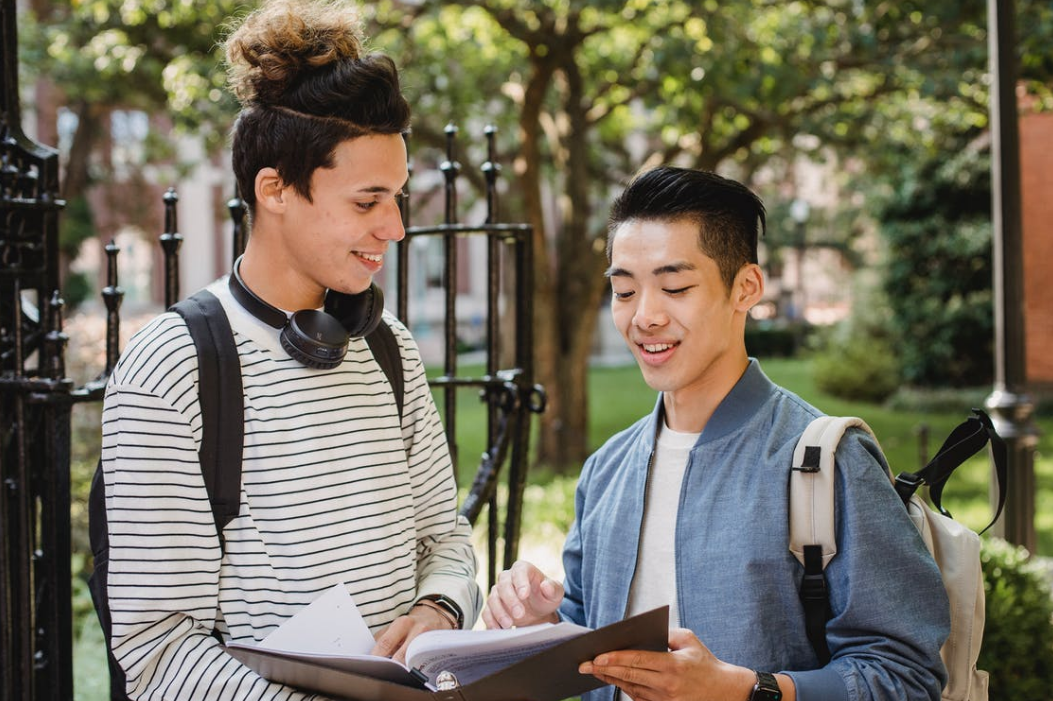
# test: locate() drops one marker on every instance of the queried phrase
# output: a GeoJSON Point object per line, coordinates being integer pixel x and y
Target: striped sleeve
{"type": "Point", "coordinates": [165, 555]}
{"type": "Point", "coordinates": [445, 557]}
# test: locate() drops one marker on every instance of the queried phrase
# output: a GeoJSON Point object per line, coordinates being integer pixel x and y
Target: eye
{"type": "Point", "coordinates": [622, 295]}
{"type": "Point", "coordinates": [677, 291]}
{"type": "Point", "coordinates": [366, 206]}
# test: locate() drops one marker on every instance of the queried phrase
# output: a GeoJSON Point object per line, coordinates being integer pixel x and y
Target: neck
{"type": "Point", "coordinates": [688, 409]}
{"type": "Point", "coordinates": [276, 283]}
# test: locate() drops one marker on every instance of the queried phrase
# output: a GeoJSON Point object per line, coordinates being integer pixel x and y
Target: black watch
{"type": "Point", "coordinates": [447, 604]}
{"type": "Point", "coordinates": [766, 688]}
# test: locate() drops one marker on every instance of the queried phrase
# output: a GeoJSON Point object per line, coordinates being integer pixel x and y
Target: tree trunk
{"type": "Point", "coordinates": [77, 180]}
{"type": "Point", "coordinates": [545, 339]}
{"type": "Point", "coordinates": [581, 261]}
{"type": "Point", "coordinates": [89, 129]}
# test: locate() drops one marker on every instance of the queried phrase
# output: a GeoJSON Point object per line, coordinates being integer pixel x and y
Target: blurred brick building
{"type": "Point", "coordinates": [1036, 166]}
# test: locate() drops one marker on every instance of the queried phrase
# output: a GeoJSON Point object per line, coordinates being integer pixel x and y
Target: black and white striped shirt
{"type": "Point", "coordinates": [332, 491]}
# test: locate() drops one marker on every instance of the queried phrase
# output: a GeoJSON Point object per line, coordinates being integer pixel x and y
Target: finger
{"type": "Point", "coordinates": [511, 602]}
{"type": "Point", "coordinates": [552, 591]}
{"type": "Point", "coordinates": [525, 578]}
{"type": "Point", "coordinates": [681, 638]}
{"type": "Point", "coordinates": [400, 654]}
{"type": "Point", "coordinates": [635, 659]}
{"type": "Point", "coordinates": [499, 613]}
{"type": "Point", "coordinates": [639, 684]}
{"type": "Point", "coordinates": [391, 638]}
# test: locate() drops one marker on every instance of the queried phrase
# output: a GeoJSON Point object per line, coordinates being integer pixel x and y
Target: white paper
{"type": "Point", "coordinates": [329, 625]}
{"type": "Point", "coordinates": [472, 655]}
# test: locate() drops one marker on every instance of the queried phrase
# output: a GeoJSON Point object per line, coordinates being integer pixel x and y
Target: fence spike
{"type": "Point", "coordinates": [171, 240]}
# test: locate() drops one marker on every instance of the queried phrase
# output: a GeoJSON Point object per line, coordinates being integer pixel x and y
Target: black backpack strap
{"type": "Point", "coordinates": [385, 349]}
{"type": "Point", "coordinates": [965, 441]}
{"type": "Point", "coordinates": [220, 393]}
{"type": "Point", "coordinates": [816, 601]}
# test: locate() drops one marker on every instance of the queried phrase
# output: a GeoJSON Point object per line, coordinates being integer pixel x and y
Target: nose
{"type": "Point", "coordinates": [390, 227]}
{"type": "Point", "coordinates": [650, 312]}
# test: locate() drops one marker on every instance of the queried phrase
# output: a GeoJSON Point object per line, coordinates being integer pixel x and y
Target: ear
{"type": "Point", "coordinates": [270, 191]}
{"type": "Point", "coordinates": [748, 289]}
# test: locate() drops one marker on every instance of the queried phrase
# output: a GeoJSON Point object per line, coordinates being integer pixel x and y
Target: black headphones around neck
{"type": "Point", "coordinates": [316, 339]}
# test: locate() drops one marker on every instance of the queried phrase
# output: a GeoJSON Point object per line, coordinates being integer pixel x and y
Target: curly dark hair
{"type": "Point", "coordinates": [305, 85]}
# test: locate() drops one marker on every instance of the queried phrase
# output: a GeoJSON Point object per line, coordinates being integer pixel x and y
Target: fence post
{"type": "Point", "coordinates": [36, 648]}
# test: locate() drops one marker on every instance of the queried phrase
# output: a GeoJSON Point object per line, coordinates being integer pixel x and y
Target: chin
{"type": "Point", "coordinates": [655, 380]}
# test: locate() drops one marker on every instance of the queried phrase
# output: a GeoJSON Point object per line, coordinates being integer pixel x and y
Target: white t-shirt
{"type": "Point", "coordinates": [654, 583]}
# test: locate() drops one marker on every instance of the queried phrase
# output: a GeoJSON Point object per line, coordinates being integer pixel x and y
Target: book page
{"type": "Point", "coordinates": [329, 625]}
{"type": "Point", "coordinates": [473, 654]}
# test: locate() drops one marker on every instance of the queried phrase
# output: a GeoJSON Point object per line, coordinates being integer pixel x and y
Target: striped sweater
{"type": "Point", "coordinates": [333, 490]}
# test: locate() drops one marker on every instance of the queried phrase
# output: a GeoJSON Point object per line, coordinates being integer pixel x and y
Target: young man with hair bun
{"type": "Point", "coordinates": [336, 487]}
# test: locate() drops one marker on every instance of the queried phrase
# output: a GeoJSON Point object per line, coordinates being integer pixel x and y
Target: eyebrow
{"type": "Point", "coordinates": [380, 189]}
{"type": "Point", "coordinates": [667, 269]}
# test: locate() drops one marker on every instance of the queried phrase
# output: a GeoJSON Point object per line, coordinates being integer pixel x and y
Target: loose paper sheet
{"type": "Point", "coordinates": [329, 625]}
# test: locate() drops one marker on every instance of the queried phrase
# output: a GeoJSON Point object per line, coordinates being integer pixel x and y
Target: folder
{"type": "Point", "coordinates": [549, 675]}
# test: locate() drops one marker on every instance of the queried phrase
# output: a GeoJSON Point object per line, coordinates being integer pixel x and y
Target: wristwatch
{"type": "Point", "coordinates": [766, 688]}
{"type": "Point", "coordinates": [446, 604]}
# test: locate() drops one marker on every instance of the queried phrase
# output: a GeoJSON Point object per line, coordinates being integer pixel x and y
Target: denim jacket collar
{"type": "Point", "coordinates": [743, 401]}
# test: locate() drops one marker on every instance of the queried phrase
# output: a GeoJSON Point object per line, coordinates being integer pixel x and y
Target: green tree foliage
{"type": "Point", "coordinates": [158, 56]}
{"type": "Point", "coordinates": [938, 276]}
{"type": "Point", "coordinates": [584, 93]}
{"type": "Point", "coordinates": [600, 88]}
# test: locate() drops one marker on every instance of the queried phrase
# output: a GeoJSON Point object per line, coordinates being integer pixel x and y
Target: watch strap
{"type": "Point", "coordinates": [766, 688]}
{"type": "Point", "coordinates": [446, 604]}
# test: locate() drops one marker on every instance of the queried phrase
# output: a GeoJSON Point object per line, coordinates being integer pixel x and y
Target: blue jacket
{"type": "Point", "coordinates": [737, 582]}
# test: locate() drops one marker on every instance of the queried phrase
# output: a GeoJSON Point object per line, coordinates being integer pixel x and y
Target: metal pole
{"type": "Point", "coordinates": [450, 169]}
{"type": "Point", "coordinates": [1010, 406]}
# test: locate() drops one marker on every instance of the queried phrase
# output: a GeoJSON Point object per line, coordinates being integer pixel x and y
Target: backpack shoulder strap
{"type": "Point", "coordinates": [967, 439]}
{"type": "Point", "coordinates": [812, 536]}
{"type": "Point", "coordinates": [220, 393]}
{"type": "Point", "coordinates": [385, 349]}
{"type": "Point", "coordinates": [812, 484]}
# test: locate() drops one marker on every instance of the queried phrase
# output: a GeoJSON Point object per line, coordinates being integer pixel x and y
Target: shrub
{"type": "Point", "coordinates": [945, 400]}
{"type": "Point", "coordinates": [858, 367]}
{"type": "Point", "coordinates": [1018, 629]}
{"type": "Point", "coordinates": [773, 341]}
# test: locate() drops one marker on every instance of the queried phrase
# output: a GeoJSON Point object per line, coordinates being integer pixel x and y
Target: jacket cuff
{"type": "Point", "coordinates": [819, 685]}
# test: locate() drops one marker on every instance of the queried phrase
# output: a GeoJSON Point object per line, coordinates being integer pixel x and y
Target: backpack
{"type": "Point", "coordinates": [222, 437]}
{"type": "Point", "coordinates": [955, 548]}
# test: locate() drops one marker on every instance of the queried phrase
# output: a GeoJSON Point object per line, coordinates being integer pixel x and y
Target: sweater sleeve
{"type": "Point", "coordinates": [446, 561]}
{"type": "Point", "coordinates": [165, 556]}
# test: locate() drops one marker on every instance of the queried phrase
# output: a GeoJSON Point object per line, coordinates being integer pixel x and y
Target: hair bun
{"type": "Point", "coordinates": [282, 39]}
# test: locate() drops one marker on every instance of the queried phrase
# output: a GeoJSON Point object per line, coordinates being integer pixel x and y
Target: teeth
{"type": "Point", "coordinates": [375, 257]}
{"type": "Point", "coordinates": [656, 347]}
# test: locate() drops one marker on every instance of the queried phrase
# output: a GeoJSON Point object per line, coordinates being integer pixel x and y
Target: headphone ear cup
{"type": "Point", "coordinates": [358, 313]}
{"type": "Point", "coordinates": [315, 339]}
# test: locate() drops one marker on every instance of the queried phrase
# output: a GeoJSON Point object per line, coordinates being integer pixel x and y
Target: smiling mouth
{"type": "Point", "coordinates": [372, 257]}
{"type": "Point", "coordinates": [656, 347]}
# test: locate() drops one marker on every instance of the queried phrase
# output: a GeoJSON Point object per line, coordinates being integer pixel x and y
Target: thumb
{"type": "Point", "coordinates": [680, 638]}
{"type": "Point", "coordinates": [551, 591]}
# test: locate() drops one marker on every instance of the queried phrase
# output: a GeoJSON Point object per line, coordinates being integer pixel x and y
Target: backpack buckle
{"type": "Point", "coordinates": [906, 484]}
{"type": "Point", "coordinates": [810, 460]}
{"type": "Point", "coordinates": [813, 587]}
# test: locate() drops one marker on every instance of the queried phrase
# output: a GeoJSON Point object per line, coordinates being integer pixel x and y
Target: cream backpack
{"type": "Point", "coordinates": [955, 548]}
